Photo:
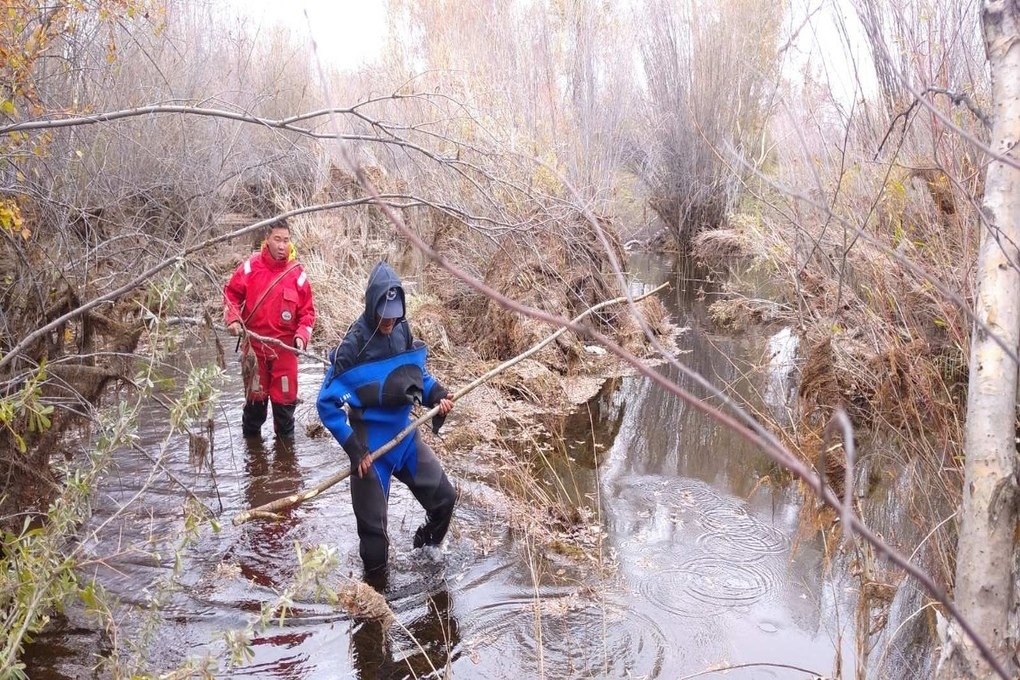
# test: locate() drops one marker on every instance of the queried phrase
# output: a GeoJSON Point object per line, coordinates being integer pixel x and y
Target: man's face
{"type": "Point", "coordinates": [278, 243]}
{"type": "Point", "coordinates": [386, 326]}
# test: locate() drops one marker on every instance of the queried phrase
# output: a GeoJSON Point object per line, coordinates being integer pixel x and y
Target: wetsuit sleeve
{"type": "Point", "coordinates": [306, 309]}
{"type": "Point", "coordinates": [434, 390]}
{"type": "Point", "coordinates": [331, 401]}
{"type": "Point", "coordinates": [331, 412]}
{"type": "Point", "coordinates": [234, 294]}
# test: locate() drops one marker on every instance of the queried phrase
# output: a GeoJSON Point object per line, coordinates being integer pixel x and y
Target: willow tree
{"type": "Point", "coordinates": [709, 76]}
{"type": "Point", "coordinates": [984, 588]}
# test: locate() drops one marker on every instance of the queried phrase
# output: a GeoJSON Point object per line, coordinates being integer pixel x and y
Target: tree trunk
{"type": "Point", "coordinates": [985, 553]}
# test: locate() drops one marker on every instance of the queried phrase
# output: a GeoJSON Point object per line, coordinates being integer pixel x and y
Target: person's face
{"type": "Point", "coordinates": [386, 326]}
{"type": "Point", "coordinates": [278, 243]}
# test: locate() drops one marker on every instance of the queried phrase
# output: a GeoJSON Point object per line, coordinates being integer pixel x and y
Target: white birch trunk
{"type": "Point", "coordinates": [984, 576]}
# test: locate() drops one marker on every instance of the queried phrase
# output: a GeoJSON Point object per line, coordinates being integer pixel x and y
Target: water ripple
{"type": "Point", "coordinates": [744, 540]}
{"type": "Point", "coordinates": [589, 641]}
{"type": "Point", "coordinates": [705, 585]}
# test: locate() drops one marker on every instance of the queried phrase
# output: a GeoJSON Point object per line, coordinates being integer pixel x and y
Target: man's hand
{"type": "Point", "coordinates": [445, 406]}
{"type": "Point", "coordinates": [366, 465]}
{"type": "Point", "coordinates": [235, 328]}
{"type": "Point", "coordinates": [299, 343]}
{"type": "Point", "coordinates": [358, 453]}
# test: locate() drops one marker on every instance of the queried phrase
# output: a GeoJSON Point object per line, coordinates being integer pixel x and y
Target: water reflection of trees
{"type": "Point", "coordinates": [423, 647]}
{"type": "Point", "coordinates": [269, 475]}
{"type": "Point", "coordinates": [580, 441]}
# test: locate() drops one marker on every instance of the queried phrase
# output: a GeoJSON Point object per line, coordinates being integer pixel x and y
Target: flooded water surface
{"type": "Point", "coordinates": [704, 565]}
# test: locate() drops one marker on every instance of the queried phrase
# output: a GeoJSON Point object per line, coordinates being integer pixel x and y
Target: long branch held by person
{"type": "Point", "coordinates": [269, 296]}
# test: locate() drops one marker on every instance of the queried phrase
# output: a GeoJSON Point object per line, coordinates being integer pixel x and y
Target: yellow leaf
{"type": "Point", "coordinates": [10, 216]}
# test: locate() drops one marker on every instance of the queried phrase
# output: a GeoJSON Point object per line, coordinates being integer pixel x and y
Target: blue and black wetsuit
{"type": "Point", "coordinates": [380, 377]}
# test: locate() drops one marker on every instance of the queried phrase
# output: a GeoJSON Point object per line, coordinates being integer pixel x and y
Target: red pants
{"type": "Point", "coordinates": [274, 375]}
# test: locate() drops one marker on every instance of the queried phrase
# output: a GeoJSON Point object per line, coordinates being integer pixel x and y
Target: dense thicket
{"type": "Point", "coordinates": [523, 143]}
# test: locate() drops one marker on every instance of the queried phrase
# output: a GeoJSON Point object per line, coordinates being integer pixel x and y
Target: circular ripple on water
{"type": "Point", "coordinates": [685, 493]}
{"type": "Point", "coordinates": [745, 539]}
{"type": "Point", "coordinates": [705, 585]}
{"type": "Point", "coordinates": [491, 630]}
{"type": "Point", "coordinates": [592, 641]}
{"type": "Point", "coordinates": [729, 528]}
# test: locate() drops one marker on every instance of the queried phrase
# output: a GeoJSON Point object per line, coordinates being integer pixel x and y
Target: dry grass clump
{"type": "Point", "coordinates": [359, 222]}
{"type": "Point", "coordinates": [883, 382]}
{"type": "Point", "coordinates": [898, 346]}
{"type": "Point", "coordinates": [827, 457]}
{"type": "Point", "coordinates": [909, 386]}
{"type": "Point", "coordinates": [364, 602]}
{"type": "Point", "coordinates": [719, 245]}
{"type": "Point", "coordinates": [836, 372]}
{"type": "Point", "coordinates": [631, 336]}
{"type": "Point", "coordinates": [462, 439]}
{"type": "Point", "coordinates": [655, 314]}
{"type": "Point", "coordinates": [531, 381]}
{"type": "Point", "coordinates": [561, 271]}
{"type": "Point", "coordinates": [737, 313]}
{"type": "Point", "coordinates": [429, 319]}
{"type": "Point", "coordinates": [336, 271]}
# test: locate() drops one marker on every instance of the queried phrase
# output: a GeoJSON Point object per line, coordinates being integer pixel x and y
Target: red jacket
{"type": "Point", "coordinates": [267, 303]}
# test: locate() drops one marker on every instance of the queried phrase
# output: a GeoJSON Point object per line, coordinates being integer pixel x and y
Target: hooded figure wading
{"type": "Point", "coordinates": [379, 372]}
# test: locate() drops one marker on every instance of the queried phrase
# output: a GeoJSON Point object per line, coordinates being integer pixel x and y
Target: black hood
{"type": "Point", "coordinates": [380, 281]}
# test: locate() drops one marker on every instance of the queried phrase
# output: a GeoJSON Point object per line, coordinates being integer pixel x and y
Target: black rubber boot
{"type": "Point", "coordinates": [378, 578]}
{"type": "Point", "coordinates": [253, 416]}
{"type": "Point", "coordinates": [420, 536]}
{"type": "Point", "coordinates": [283, 420]}
{"type": "Point", "coordinates": [435, 527]}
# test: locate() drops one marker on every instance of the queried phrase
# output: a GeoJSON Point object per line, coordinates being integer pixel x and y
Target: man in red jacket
{"type": "Point", "coordinates": [269, 296]}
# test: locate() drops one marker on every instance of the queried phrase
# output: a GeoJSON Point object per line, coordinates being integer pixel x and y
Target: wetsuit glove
{"type": "Point", "coordinates": [356, 451]}
{"type": "Point", "coordinates": [438, 394]}
{"type": "Point", "coordinates": [437, 422]}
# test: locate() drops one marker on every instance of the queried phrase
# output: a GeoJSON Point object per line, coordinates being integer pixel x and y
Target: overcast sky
{"type": "Point", "coordinates": [346, 32]}
{"type": "Point", "coordinates": [349, 32]}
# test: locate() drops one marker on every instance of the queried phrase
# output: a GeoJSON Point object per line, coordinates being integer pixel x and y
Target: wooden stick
{"type": "Point", "coordinates": [267, 510]}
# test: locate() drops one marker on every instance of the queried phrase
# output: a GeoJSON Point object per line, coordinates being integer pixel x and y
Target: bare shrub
{"type": "Point", "coordinates": [710, 84]}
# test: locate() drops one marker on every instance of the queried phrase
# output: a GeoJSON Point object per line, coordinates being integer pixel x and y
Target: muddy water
{"type": "Point", "coordinates": [708, 568]}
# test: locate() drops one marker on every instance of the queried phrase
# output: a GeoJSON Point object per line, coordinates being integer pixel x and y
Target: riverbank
{"type": "Point", "coordinates": [876, 339]}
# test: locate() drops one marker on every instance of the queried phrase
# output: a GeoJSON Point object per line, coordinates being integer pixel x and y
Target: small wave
{"type": "Point", "coordinates": [705, 585]}
{"type": "Point", "coordinates": [559, 638]}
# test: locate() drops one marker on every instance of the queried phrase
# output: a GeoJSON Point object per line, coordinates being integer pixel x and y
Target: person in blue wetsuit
{"type": "Point", "coordinates": [378, 371]}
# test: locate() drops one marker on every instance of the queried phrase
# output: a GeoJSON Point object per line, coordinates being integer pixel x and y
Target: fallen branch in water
{"type": "Point", "coordinates": [267, 510]}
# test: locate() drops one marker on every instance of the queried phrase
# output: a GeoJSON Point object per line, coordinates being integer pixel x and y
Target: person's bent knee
{"type": "Point", "coordinates": [446, 499]}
